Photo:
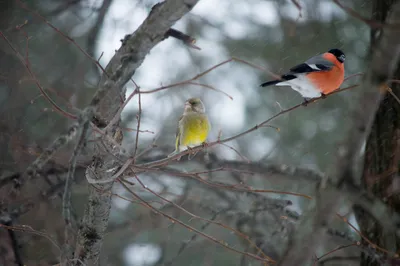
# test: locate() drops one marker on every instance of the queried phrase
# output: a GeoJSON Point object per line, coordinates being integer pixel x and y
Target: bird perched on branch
{"type": "Point", "coordinates": [316, 77]}
{"type": "Point", "coordinates": [193, 126]}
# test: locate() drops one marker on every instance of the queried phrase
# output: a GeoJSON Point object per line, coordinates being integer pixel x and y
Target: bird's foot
{"type": "Point", "coordinates": [323, 95]}
{"type": "Point", "coordinates": [192, 154]}
{"type": "Point", "coordinates": [306, 101]}
{"type": "Point", "coordinates": [204, 144]}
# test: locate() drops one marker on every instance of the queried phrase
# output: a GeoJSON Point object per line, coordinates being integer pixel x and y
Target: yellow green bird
{"type": "Point", "coordinates": [193, 126]}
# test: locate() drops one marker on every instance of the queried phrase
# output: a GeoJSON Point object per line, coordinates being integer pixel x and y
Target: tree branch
{"type": "Point", "coordinates": [120, 69]}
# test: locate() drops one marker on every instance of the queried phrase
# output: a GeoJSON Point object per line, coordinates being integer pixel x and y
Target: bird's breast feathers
{"type": "Point", "coordinates": [326, 82]}
{"type": "Point", "coordinates": [194, 128]}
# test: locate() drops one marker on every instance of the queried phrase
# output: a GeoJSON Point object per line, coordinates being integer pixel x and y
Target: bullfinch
{"type": "Point", "coordinates": [318, 76]}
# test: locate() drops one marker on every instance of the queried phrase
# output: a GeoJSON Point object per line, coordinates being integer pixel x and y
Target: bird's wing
{"type": "Point", "coordinates": [178, 134]}
{"type": "Point", "coordinates": [314, 64]}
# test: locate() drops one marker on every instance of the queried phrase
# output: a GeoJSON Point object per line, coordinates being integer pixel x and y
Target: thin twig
{"type": "Point", "coordinates": [372, 23]}
{"type": "Point", "coordinates": [24, 6]}
{"type": "Point", "coordinates": [139, 116]}
{"type": "Point", "coordinates": [94, 32]}
{"type": "Point", "coordinates": [366, 239]}
{"type": "Point", "coordinates": [353, 75]}
{"type": "Point", "coordinates": [236, 151]}
{"type": "Point", "coordinates": [28, 229]}
{"type": "Point", "coordinates": [117, 116]}
{"type": "Point", "coordinates": [210, 144]}
{"type": "Point", "coordinates": [298, 6]}
{"type": "Point", "coordinates": [67, 193]}
{"type": "Point", "coordinates": [232, 187]}
{"type": "Point", "coordinates": [26, 63]}
{"type": "Point", "coordinates": [389, 89]}
{"type": "Point", "coordinates": [213, 239]}
{"type": "Point", "coordinates": [185, 244]}
{"type": "Point", "coordinates": [240, 234]}
{"type": "Point", "coordinates": [334, 250]}
{"type": "Point", "coordinates": [50, 151]}
{"type": "Point", "coordinates": [196, 77]}
{"type": "Point", "coordinates": [7, 220]}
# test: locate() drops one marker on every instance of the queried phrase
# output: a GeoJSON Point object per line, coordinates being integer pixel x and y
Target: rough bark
{"type": "Point", "coordinates": [382, 156]}
{"type": "Point", "coordinates": [120, 69]}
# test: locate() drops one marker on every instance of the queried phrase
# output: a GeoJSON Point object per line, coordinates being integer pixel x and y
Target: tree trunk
{"type": "Point", "coordinates": [380, 173]}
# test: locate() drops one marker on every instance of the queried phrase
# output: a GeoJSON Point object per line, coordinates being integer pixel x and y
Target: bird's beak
{"type": "Point", "coordinates": [187, 105]}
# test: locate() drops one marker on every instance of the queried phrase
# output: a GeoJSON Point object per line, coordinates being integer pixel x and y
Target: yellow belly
{"type": "Point", "coordinates": [194, 128]}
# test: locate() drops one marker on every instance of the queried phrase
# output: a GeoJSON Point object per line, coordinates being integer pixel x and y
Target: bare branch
{"type": "Point", "coordinates": [94, 32]}
{"type": "Point", "coordinates": [372, 23]}
{"type": "Point", "coordinates": [120, 69]}
{"type": "Point", "coordinates": [213, 239]}
{"type": "Point", "coordinates": [67, 194]}
{"type": "Point", "coordinates": [186, 39]}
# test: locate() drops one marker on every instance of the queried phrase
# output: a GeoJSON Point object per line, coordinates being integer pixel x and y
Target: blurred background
{"type": "Point", "coordinates": [274, 35]}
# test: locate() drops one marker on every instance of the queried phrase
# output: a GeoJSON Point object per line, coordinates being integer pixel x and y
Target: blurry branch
{"type": "Point", "coordinates": [185, 244]}
{"type": "Point", "coordinates": [213, 239]}
{"type": "Point", "coordinates": [372, 23]}
{"type": "Point", "coordinates": [298, 6]}
{"type": "Point", "coordinates": [317, 259]}
{"type": "Point", "coordinates": [235, 187]}
{"type": "Point", "coordinates": [328, 261]}
{"type": "Point", "coordinates": [280, 172]}
{"type": "Point", "coordinates": [13, 247]}
{"type": "Point", "coordinates": [28, 229]}
{"type": "Point", "coordinates": [94, 32]}
{"type": "Point", "coordinates": [119, 71]}
{"type": "Point", "coordinates": [191, 80]}
{"type": "Point", "coordinates": [63, 7]}
{"type": "Point", "coordinates": [392, 93]}
{"type": "Point", "coordinates": [62, 140]}
{"type": "Point", "coordinates": [186, 39]}
{"type": "Point", "coordinates": [284, 175]}
{"type": "Point", "coordinates": [25, 61]}
{"type": "Point", "coordinates": [204, 219]}
{"type": "Point", "coordinates": [367, 248]}
{"type": "Point", "coordinates": [17, 178]}
{"type": "Point", "coordinates": [48, 153]}
{"type": "Point", "coordinates": [139, 118]}
{"type": "Point", "coordinates": [65, 36]}
{"type": "Point", "coordinates": [369, 242]}
{"type": "Point", "coordinates": [12, 177]}
{"type": "Point", "coordinates": [346, 171]}
{"type": "Point", "coordinates": [67, 191]}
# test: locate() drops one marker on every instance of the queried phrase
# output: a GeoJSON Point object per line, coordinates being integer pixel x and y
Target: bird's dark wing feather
{"type": "Point", "coordinates": [177, 135]}
{"type": "Point", "coordinates": [308, 68]}
{"type": "Point", "coordinates": [314, 64]}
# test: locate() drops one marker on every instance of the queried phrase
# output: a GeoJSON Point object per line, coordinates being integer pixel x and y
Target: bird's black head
{"type": "Point", "coordinates": [339, 54]}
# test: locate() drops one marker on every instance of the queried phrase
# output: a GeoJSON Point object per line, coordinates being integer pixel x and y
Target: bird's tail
{"type": "Point", "coordinates": [269, 83]}
{"type": "Point", "coordinates": [284, 78]}
{"type": "Point", "coordinates": [174, 153]}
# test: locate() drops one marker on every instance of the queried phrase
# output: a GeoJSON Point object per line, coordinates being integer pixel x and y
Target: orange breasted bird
{"type": "Point", "coordinates": [318, 76]}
